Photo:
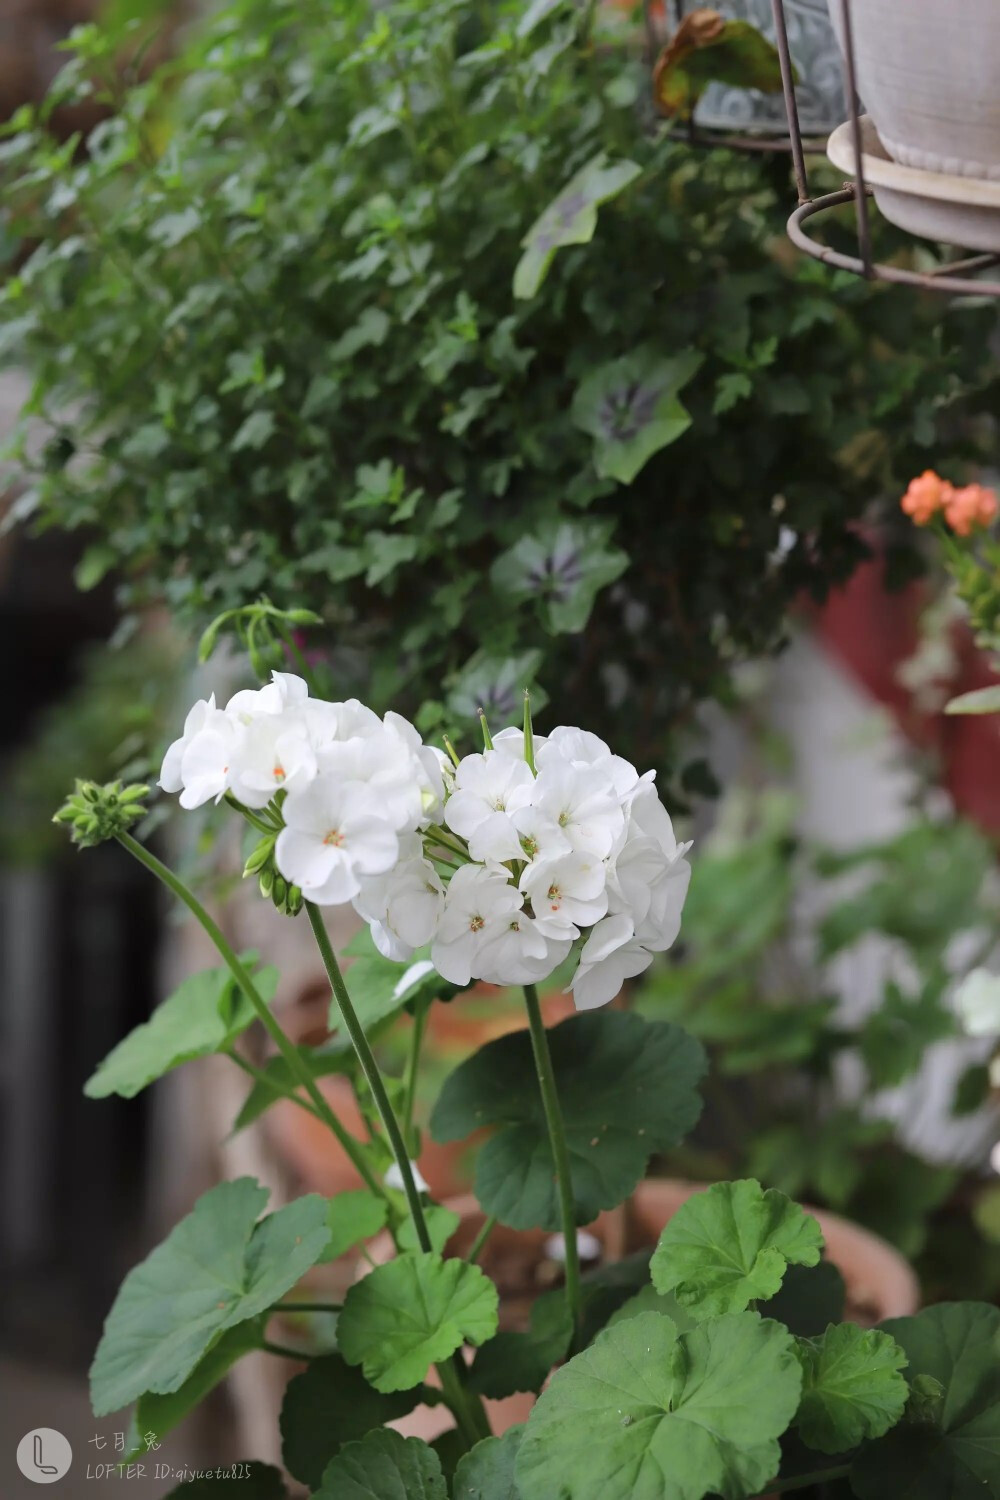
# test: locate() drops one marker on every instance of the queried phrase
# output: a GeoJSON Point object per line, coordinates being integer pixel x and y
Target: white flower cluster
{"type": "Point", "coordinates": [500, 863]}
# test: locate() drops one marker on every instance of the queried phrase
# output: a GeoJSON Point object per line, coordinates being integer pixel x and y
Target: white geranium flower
{"type": "Point", "coordinates": [207, 758]}
{"type": "Point", "coordinates": [403, 905]}
{"type": "Point", "coordinates": [518, 952]}
{"type": "Point", "coordinates": [584, 804]}
{"type": "Point", "coordinates": [977, 1003]}
{"type": "Point", "coordinates": [275, 754]}
{"type": "Point", "coordinates": [485, 785]}
{"type": "Point", "coordinates": [479, 902]}
{"type": "Point", "coordinates": [335, 833]}
{"type": "Point", "coordinates": [171, 779]}
{"type": "Point", "coordinates": [283, 691]}
{"type": "Point", "coordinates": [610, 955]}
{"type": "Point", "coordinates": [580, 748]}
{"type": "Point", "coordinates": [540, 836]}
{"type": "Point", "coordinates": [566, 893]}
{"type": "Point", "coordinates": [381, 762]}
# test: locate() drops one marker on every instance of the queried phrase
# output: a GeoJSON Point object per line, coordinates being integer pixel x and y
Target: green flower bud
{"type": "Point", "coordinates": [97, 813]}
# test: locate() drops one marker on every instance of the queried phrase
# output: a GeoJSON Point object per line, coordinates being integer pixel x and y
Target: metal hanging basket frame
{"type": "Point", "coordinates": [954, 278]}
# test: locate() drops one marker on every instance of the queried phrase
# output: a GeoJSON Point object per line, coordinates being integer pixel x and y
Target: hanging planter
{"type": "Point", "coordinates": [927, 75]}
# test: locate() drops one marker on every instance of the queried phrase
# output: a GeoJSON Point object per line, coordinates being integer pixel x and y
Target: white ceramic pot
{"type": "Point", "coordinates": [927, 74]}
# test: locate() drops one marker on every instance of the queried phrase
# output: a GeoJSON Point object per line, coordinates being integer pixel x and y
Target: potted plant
{"type": "Point", "coordinates": [676, 1374]}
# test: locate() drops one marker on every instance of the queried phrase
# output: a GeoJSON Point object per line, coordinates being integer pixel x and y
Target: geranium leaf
{"type": "Point", "coordinates": [384, 1466]}
{"type": "Point", "coordinates": [851, 1387]}
{"type": "Point", "coordinates": [647, 1413]}
{"type": "Point", "coordinates": [648, 1299]}
{"type": "Point", "coordinates": [441, 1225]}
{"type": "Point", "coordinates": [948, 1444]}
{"type": "Point", "coordinates": [160, 1414]}
{"type": "Point", "coordinates": [487, 1473]}
{"type": "Point", "coordinates": [351, 1217]}
{"type": "Point", "coordinates": [571, 218]}
{"type": "Point", "coordinates": [250, 1481]}
{"type": "Point", "coordinates": [631, 409]}
{"type": "Point", "coordinates": [410, 1313]}
{"type": "Point", "coordinates": [513, 1362]}
{"type": "Point", "coordinates": [329, 1405]}
{"type": "Point", "coordinates": [730, 1245]}
{"type": "Point", "coordinates": [707, 48]}
{"type": "Point", "coordinates": [205, 1014]}
{"type": "Point", "coordinates": [627, 1086]}
{"type": "Point", "coordinates": [217, 1268]}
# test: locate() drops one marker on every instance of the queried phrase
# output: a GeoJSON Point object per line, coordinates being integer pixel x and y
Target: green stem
{"type": "Point", "coordinates": [296, 1067]}
{"type": "Point", "coordinates": [468, 1408]}
{"type": "Point", "coordinates": [802, 1481]}
{"type": "Point", "coordinates": [413, 1065]}
{"type": "Point", "coordinates": [560, 1152]}
{"type": "Point", "coordinates": [318, 1307]}
{"type": "Point", "coordinates": [369, 1067]}
{"type": "Point", "coordinates": [284, 1351]}
{"type": "Point", "coordinates": [259, 1076]}
{"type": "Point", "coordinates": [475, 1249]}
{"type": "Point", "coordinates": [251, 817]}
{"type": "Point", "coordinates": [436, 835]}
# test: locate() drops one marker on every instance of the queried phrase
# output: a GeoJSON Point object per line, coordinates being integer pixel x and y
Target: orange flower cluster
{"type": "Point", "coordinates": [963, 509]}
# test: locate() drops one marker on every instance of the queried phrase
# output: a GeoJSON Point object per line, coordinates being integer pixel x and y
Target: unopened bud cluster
{"type": "Point", "coordinates": [96, 813]}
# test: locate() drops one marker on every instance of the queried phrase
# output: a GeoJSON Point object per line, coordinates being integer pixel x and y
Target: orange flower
{"type": "Point", "coordinates": [926, 496]}
{"type": "Point", "coordinates": [972, 506]}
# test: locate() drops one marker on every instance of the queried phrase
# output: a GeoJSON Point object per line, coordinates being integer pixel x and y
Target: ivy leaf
{"type": "Point", "coordinates": [161, 1414]}
{"type": "Point", "coordinates": [631, 409]}
{"type": "Point", "coordinates": [627, 1086]}
{"type": "Point", "coordinates": [571, 218]}
{"type": "Point", "coordinates": [730, 1245]}
{"type": "Point", "coordinates": [351, 1217]}
{"type": "Point", "coordinates": [205, 1014]}
{"type": "Point", "coordinates": [216, 1269]}
{"type": "Point", "coordinates": [253, 1481]}
{"type": "Point", "coordinates": [496, 684]}
{"type": "Point", "coordinates": [851, 1387]}
{"type": "Point", "coordinates": [411, 1313]}
{"type": "Point", "coordinates": [384, 1466]}
{"type": "Point", "coordinates": [278, 1079]}
{"type": "Point", "coordinates": [563, 566]}
{"type": "Point", "coordinates": [649, 1414]}
{"type": "Point", "coordinates": [945, 1447]}
{"type": "Point", "coordinates": [487, 1472]}
{"type": "Point", "coordinates": [513, 1362]}
{"type": "Point", "coordinates": [329, 1405]}
{"type": "Point", "coordinates": [707, 48]}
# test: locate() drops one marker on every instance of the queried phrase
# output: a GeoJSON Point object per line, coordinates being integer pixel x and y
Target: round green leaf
{"type": "Point", "coordinates": [627, 1087]}
{"type": "Point", "coordinates": [851, 1387]}
{"type": "Point", "coordinates": [160, 1414]}
{"type": "Point", "coordinates": [217, 1268]}
{"type": "Point", "coordinates": [384, 1466]}
{"type": "Point", "coordinates": [649, 1414]}
{"type": "Point", "coordinates": [411, 1313]}
{"type": "Point", "coordinates": [487, 1473]}
{"type": "Point", "coordinates": [949, 1446]}
{"type": "Point", "coordinates": [331, 1404]}
{"type": "Point", "coordinates": [730, 1245]}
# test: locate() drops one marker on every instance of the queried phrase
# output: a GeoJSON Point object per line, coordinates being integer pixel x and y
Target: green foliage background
{"type": "Point", "coordinates": [270, 319]}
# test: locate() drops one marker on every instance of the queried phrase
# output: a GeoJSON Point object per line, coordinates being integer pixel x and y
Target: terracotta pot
{"type": "Point", "coordinates": [879, 1282]}
{"type": "Point", "coordinates": [927, 72]}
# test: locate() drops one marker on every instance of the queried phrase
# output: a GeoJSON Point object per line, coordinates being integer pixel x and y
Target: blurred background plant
{"type": "Point", "coordinates": [822, 984]}
{"type": "Point", "coordinates": [269, 320]}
